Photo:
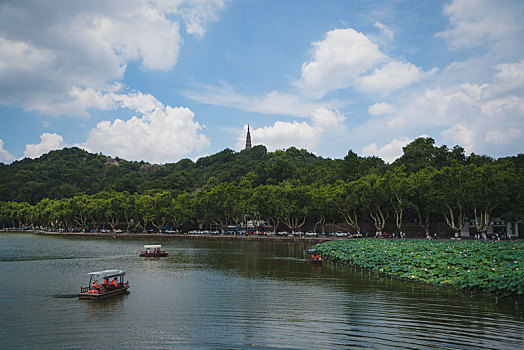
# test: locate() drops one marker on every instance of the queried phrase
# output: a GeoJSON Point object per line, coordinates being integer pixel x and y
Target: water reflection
{"type": "Point", "coordinates": [100, 308]}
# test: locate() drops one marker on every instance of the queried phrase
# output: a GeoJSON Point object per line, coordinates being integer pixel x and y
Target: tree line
{"type": "Point", "coordinates": [414, 189]}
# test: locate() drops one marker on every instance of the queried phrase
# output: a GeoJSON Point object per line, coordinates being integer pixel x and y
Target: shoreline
{"type": "Point", "coordinates": [231, 237]}
{"type": "Point", "coordinates": [184, 236]}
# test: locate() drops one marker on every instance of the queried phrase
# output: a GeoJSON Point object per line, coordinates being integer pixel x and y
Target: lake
{"type": "Point", "coordinates": [230, 294]}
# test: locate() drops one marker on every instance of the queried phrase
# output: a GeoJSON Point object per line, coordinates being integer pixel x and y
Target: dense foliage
{"type": "Point", "coordinates": [72, 188]}
{"type": "Point", "coordinates": [496, 268]}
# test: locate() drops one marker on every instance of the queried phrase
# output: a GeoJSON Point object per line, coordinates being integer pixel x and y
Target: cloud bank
{"type": "Point", "coordinates": [74, 47]}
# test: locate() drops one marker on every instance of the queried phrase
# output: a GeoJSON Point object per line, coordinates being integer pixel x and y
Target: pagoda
{"type": "Point", "coordinates": [248, 139]}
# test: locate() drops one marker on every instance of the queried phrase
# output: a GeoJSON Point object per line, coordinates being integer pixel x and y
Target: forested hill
{"type": "Point", "coordinates": [70, 171]}
{"type": "Point", "coordinates": [64, 173]}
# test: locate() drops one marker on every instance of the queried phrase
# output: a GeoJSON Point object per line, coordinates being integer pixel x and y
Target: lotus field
{"type": "Point", "coordinates": [493, 267]}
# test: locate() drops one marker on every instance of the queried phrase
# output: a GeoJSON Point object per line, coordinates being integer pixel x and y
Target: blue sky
{"type": "Point", "coordinates": [164, 80]}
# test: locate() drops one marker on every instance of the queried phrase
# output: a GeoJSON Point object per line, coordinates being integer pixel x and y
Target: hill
{"type": "Point", "coordinates": [64, 173]}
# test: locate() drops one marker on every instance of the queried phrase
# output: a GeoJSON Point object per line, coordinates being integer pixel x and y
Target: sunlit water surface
{"type": "Point", "coordinates": [230, 294]}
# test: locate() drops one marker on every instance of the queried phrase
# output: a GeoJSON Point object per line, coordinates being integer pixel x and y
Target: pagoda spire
{"type": "Point", "coordinates": [248, 139]}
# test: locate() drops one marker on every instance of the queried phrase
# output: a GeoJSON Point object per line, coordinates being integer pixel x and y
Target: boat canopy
{"type": "Point", "coordinates": [313, 251]}
{"type": "Point", "coordinates": [107, 273]}
{"type": "Point", "coordinates": [153, 246]}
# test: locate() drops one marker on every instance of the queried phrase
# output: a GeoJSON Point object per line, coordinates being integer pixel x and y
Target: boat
{"type": "Point", "coordinates": [112, 284]}
{"type": "Point", "coordinates": [314, 256]}
{"type": "Point", "coordinates": [153, 250]}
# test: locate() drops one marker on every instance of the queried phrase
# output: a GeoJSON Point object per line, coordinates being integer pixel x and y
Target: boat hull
{"type": "Point", "coordinates": [314, 261]}
{"type": "Point", "coordinates": [153, 255]}
{"type": "Point", "coordinates": [104, 295]}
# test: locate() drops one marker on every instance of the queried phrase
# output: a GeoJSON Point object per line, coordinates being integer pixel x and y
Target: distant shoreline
{"type": "Point", "coordinates": [185, 236]}
{"type": "Point", "coordinates": [217, 237]}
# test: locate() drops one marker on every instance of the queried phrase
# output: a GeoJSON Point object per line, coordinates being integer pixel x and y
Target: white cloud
{"type": "Point", "coordinates": [274, 102]}
{"type": "Point", "coordinates": [390, 77]}
{"type": "Point", "coordinates": [459, 134]}
{"type": "Point", "coordinates": [502, 136]}
{"type": "Point", "coordinates": [341, 57]}
{"type": "Point", "coordinates": [282, 135]}
{"type": "Point", "coordinates": [11, 51]}
{"type": "Point", "coordinates": [388, 152]}
{"type": "Point", "coordinates": [75, 49]}
{"type": "Point", "coordinates": [511, 72]}
{"type": "Point", "coordinates": [385, 30]}
{"type": "Point", "coordinates": [509, 79]}
{"type": "Point", "coordinates": [197, 12]}
{"type": "Point", "coordinates": [475, 23]}
{"type": "Point", "coordinates": [5, 157]}
{"type": "Point", "coordinates": [48, 142]}
{"type": "Point", "coordinates": [137, 101]}
{"type": "Point", "coordinates": [325, 120]}
{"type": "Point", "coordinates": [80, 100]}
{"type": "Point", "coordinates": [161, 134]}
{"type": "Point", "coordinates": [347, 58]}
{"type": "Point", "coordinates": [381, 108]}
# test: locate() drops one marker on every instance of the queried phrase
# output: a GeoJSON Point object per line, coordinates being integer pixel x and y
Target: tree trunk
{"type": "Point", "coordinates": [424, 223]}
{"type": "Point", "coordinates": [352, 220]}
{"type": "Point", "coordinates": [455, 223]}
{"type": "Point", "coordinates": [293, 222]}
{"type": "Point", "coordinates": [482, 221]}
{"type": "Point", "coordinates": [378, 220]}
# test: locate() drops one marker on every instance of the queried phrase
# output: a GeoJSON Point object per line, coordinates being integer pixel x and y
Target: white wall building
{"type": "Point", "coordinates": [497, 225]}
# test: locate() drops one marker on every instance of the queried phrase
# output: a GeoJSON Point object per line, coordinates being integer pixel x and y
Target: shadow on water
{"type": "Point", "coordinates": [105, 305]}
{"type": "Point", "coordinates": [65, 296]}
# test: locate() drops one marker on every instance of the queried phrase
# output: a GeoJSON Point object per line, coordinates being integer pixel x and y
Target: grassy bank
{"type": "Point", "coordinates": [496, 268]}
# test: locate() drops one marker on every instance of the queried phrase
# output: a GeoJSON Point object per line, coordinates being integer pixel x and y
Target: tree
{"type": "Point", "coordinates": [321, 206]}
{"type": "Point", "coordinates": [114, 208]}
{"type": "Point", "coordinates": [218, 204]}
{"type": "Point", "coordinates": [397, 189]}
{"type": "Point", "coordinates": [295, 202]}
{"type": "Point", "coordinates": [96, 209]}
{"type": "Point", "coordinates": [179, 211]}
{"type": "Point", "coordinates": [348, 198]}
{"type": "Point", "coordinates": [161, 203]}
{"type": "Point", "coordinates": [268, 202]}
{"type": "Point", "coordinates": [488, 188]}
{"type": "Point", "coordinates": [374, 199]}
{"type": "Point", "coordinates": [79, 206]}
{"type": "Point", "coordinates": [423, 196]}
{"type": "Point", "coordinates": [61, 213]}
{"type": "Point", "coordinates": [452, 193]}
{"type": "Point", "coordinates": [130, 211]}
{"type": "Point", "coordinates": [146, 209]}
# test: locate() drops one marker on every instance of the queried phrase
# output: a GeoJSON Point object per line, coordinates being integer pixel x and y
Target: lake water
{"type": "Point", "coordinates": [230, 294]}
